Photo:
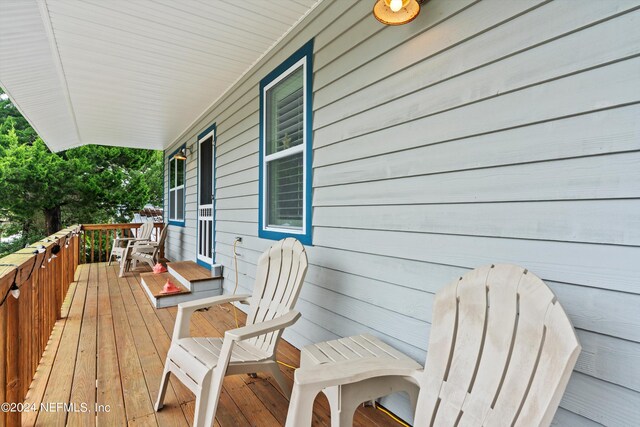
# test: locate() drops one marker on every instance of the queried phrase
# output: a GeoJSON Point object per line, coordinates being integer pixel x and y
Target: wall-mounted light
{"type": "Point", "coordinates": [396, 12]}
{"type": "Point", "coordinates": [181, 154]}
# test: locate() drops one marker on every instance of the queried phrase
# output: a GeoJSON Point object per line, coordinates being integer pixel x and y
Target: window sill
{"type": "Point", "coordinates": [305, 239]}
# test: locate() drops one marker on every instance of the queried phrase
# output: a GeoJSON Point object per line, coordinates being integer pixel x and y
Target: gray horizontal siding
{"type": "Point", "coordinates": [482, 132]}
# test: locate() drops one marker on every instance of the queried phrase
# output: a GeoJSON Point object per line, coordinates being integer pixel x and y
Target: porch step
{"type": "Point", "coordinates": [193, 276]}
{"type": "Point", "coordinates": [153, 283]}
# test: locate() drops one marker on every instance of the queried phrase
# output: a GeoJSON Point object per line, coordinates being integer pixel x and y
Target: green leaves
{"type": "Point", "coordinates": [88, 184]}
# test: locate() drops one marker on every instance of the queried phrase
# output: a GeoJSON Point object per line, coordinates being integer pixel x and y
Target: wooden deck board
{"type": "Point", "coordinates": [191, 271]}
{"type": "Point", "coordinates": [109, 385]}
{"type": "Point", "coordinates": [84, 378]}
{"type": "Point", "coordinates": [155, 284]}
{"type": "Point", "coordinates": [134, 388]}
{"type": "Point", "coordinates": [110, 347]}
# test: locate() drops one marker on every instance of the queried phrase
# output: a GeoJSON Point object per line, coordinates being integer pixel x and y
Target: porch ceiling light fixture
{"type": "Point", "coordinates": [181, 154]}
{"type": "Point", "coordinates": [396, 12]}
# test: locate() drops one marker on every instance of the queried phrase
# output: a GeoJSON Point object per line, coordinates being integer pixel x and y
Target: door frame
{"type": "Point", "coordinates": [210, 131]}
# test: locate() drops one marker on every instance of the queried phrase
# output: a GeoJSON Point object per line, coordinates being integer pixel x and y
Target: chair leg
{"type": "Point", "coordinates": [164, 382]}
{"type": "Point", "coordinates": [301, 406]}
{"type": "Point", "coordinates": [207, 400]}
{"type": "Point", "coordinates": [202, 399]}
{"type": "Point", "coordinates": [335, 404]}
{"type": "Point", "coordinates": [284, 385]}
{"type": "Point", "coordinates": [111, 255]}
{"type": "Point", "coordinates": [350, 399]}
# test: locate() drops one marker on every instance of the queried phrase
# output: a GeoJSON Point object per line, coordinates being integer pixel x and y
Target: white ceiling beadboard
{"type": "Point", "coordinates": [132, 73]}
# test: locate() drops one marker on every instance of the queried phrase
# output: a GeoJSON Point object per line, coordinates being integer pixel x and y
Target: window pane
{"type": "Point", "coordinates": [206, 171]}
{"type": "Point", "coordinates": [172, 173]}
{"type": "Point", "coordinates": [180, 172]}
{"type": "Point", "coordinates": [172, 204]}
{"type": "Point", "coordinates": [284, 113]}
{"type": "Point", "coordinates": [180, 204]}
{"type": "Point", "coordinates": [285, 191]}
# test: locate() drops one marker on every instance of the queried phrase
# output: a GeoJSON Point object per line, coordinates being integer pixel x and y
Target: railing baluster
{"type": "Point", "coordinates": [93, 239]}
{"type": "Point", "coordinates": [108, 252]}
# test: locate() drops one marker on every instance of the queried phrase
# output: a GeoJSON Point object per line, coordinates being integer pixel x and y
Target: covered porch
{"type": "Point", "coordinates": [105, 358]}
{"type": "Point", "coordinates": [481, 132]}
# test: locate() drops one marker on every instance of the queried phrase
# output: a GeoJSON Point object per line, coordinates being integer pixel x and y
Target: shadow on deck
{"type": "Point", "coordinates": [108, 350]}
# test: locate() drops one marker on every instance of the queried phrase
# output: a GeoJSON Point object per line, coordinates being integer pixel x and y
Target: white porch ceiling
{"type": "Point", "coordinates": [133, 73]}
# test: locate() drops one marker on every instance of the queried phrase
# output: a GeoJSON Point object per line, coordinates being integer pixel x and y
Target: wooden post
{"type": "Point", "coordinates": [12, 356]}
{"type": "Point", "coordinates": [81, 248]}
{"type": "Point", "coordinates": [3, 357]}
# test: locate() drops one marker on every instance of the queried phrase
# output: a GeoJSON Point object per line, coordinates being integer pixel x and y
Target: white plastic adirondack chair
{"type": "Point", "coordinates": [501, 351]}
{"type": "Point", "coordinates": [202, 363]}
{"type": "Point", "coordinates": [119, 246]}
{"type": "Point", "coordinates": [146, 251]}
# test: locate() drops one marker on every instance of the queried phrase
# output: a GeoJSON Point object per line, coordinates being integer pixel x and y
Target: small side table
{"type": "Point", "coordinates": [339, 358]}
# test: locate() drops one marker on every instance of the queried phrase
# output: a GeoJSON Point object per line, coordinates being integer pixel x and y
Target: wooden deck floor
{"type": "Point", "coordinates": [109, 349]}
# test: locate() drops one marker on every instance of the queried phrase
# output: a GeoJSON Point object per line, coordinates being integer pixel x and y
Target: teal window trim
{"type": "Point", "coordinates": [171, 202]}
{"type": "Point", "coordinates": [302, 57]}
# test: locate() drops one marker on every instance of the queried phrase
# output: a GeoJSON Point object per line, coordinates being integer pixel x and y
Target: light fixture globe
{"type": "Point", "coordinates": [384, 13]}
{"type": "Point", "coordinates": [180, 155]}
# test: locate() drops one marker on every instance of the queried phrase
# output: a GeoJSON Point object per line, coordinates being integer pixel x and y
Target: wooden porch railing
{"type": "Point", "coordinates": [26, 322]}
{"type": "Point", "coordinates": [97, 239]}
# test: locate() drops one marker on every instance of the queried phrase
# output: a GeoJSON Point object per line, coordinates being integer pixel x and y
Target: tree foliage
{"type": "Point", "coordinates": [41, 191]}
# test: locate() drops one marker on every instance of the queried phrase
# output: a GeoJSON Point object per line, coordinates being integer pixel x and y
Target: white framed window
{"type": "Point", "coordinates": [177, 168]}
{"type": "Point", "coordinates": [286, 149]}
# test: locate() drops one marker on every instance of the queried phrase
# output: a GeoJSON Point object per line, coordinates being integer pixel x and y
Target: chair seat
{"type": "Point", "coordinates": [207, 351]}
{"type": "Point", "coordinates": [201, 363]}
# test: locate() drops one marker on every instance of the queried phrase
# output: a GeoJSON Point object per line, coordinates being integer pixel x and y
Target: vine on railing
{"type": "Point", "coordinates": [97, 239]}
{"type": "Point", "coordinates": [33, 284]}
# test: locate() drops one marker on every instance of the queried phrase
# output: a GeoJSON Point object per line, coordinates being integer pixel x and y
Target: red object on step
{"type": "Point", "coordinates": [159, 268]}
{"type": "Point", "coordinates": [169, 288]}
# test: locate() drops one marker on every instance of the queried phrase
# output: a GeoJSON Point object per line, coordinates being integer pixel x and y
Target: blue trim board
{"type": "Point", "coordinates": [207, 130]}
{"type": "Point", "coordinates": [184, 193]}
{"type": "Point", "coordinates": [203, 264]}
{"type": "Point", "coordinates": [305, 51]}
{"type": "Point", "coordinates": [201, 135]}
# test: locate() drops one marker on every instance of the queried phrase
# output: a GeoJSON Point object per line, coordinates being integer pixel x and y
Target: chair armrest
{"type": "Point", "coordinates": [208, 302]}
{"type": "Point", "coordinates": [142, 248]}
{"type": "Point", "coordinates": [121, 241]}
{"type": "Point", "coordinates": [262, 328]}
{"type": "Point", "coordinates": [186, 309]}
{"type": "Point", "coordinates": [134, 241]}
{"type": "Point", "coordinates": [351, 371]}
